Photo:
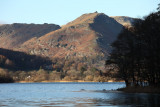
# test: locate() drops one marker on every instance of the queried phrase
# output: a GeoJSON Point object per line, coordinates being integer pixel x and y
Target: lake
{"type": "Point", "coordinates": [72, 95]}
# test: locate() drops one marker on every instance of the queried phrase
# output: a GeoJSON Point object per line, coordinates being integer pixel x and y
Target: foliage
{"type": "Point", "coordinates": [5, 77]}
{"type": "Point", "coordinates": [137, 52]}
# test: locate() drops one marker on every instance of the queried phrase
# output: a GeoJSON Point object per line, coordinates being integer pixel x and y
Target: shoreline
{"type": "Point", "coordinates": [146, 89]}
{"type": "Point", "coordinates": [61, 81]}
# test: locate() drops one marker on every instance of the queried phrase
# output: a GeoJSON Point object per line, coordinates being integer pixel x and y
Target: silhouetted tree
{"type": "Point", "coordinates": [123, 55]}
{"type": "Point", "coordinates": [137, 52]}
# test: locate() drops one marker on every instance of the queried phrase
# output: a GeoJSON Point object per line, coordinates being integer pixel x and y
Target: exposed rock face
{"type": "Point", "coordinates": [125, 21]}
{"type": "Point", "coordinates": [13, 35]}
{"type": "Point", "coordinates": [88, 36]}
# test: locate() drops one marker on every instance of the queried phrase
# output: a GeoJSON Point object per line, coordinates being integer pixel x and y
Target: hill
{"type": "Point", "coordinates": [75, 51]}
{"type": "Point", "coordinates": [86, 38]}
{"type": "Point", "coordinates": [13, 35]}
{"type": "Point", "coordinates": [125, 20]}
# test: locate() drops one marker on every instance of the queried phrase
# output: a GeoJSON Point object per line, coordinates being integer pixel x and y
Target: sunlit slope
{"type": "Point", "coordinates": [89, 35]}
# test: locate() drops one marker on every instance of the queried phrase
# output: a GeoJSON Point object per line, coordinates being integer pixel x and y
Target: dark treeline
{"type": "Point", "coordinates": [136, 52]}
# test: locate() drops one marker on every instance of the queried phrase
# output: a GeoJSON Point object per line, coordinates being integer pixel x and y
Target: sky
{"type": "Point", "coordinates": [63, 11]}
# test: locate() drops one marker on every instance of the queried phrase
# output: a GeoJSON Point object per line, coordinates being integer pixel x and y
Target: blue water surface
{"type": "Point", "coordinates": [72, 95]}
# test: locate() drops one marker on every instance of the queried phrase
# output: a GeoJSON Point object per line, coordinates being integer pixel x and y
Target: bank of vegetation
{"type": "Point", "coordinates": [41, 75]}
{"type": "Point", "coordinates": [136, 54]}
{"type": "Point", "coordinates": [19, 66]}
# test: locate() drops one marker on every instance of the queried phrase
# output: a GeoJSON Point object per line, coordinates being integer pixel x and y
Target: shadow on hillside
{"type": "Point", "coordinates": [15, 60]}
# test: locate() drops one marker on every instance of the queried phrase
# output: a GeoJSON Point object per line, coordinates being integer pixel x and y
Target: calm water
{"type": "Point", "coordinates": [72, 95]}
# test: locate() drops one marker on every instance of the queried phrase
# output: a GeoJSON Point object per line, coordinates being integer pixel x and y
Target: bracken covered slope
{"type": "Point", "coordinates": [88, 36]}
{"type": "Point", "coordinates": [13, 35]}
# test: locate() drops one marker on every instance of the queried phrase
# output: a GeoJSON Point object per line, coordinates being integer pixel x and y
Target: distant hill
{"type": "Point", "coordinates": [125, 20]}
{"type": "Point", "coordinates": [13, 35]}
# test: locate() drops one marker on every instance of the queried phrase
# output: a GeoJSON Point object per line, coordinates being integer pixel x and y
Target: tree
{"type": "Point", "coordinates": [136, 52]}
{"type": "Point", "coordinates": [149, 37]}
{"type": "Point", "coordinates": [5, 77]}
{"type": "Point", "coordinates": [158, 8]}
{"type": "Point", "coordinates": [123, 54]}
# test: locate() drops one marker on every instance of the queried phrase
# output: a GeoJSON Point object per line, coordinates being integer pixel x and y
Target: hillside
{"type": "Point", "coordinates": [125, 20]}
{"type": "Point", "coordinates": [13, 35]}
{"type": "Point", "coordinates": [15, 60]}
{"type": "Point", "coordinates": [75, 51]}
{"type": "Point", "coordinates": [87, 38]}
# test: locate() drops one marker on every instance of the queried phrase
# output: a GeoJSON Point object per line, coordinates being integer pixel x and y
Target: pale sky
{"type": "Point", "coordinates": [63, 11]}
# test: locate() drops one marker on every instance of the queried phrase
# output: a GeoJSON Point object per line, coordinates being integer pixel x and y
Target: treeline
{"type": "Point", "coordinates": [136, 52]}
{"type": "Point", "coordinates": [41, 75]}
{"type": "Point", "coordinates": [19, 66]}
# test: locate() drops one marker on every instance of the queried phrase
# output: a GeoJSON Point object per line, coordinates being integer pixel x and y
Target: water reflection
{"type": "Point", "coordinates": [128, 99]}
{"type": "Point", "coordinates": [117, 99]}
